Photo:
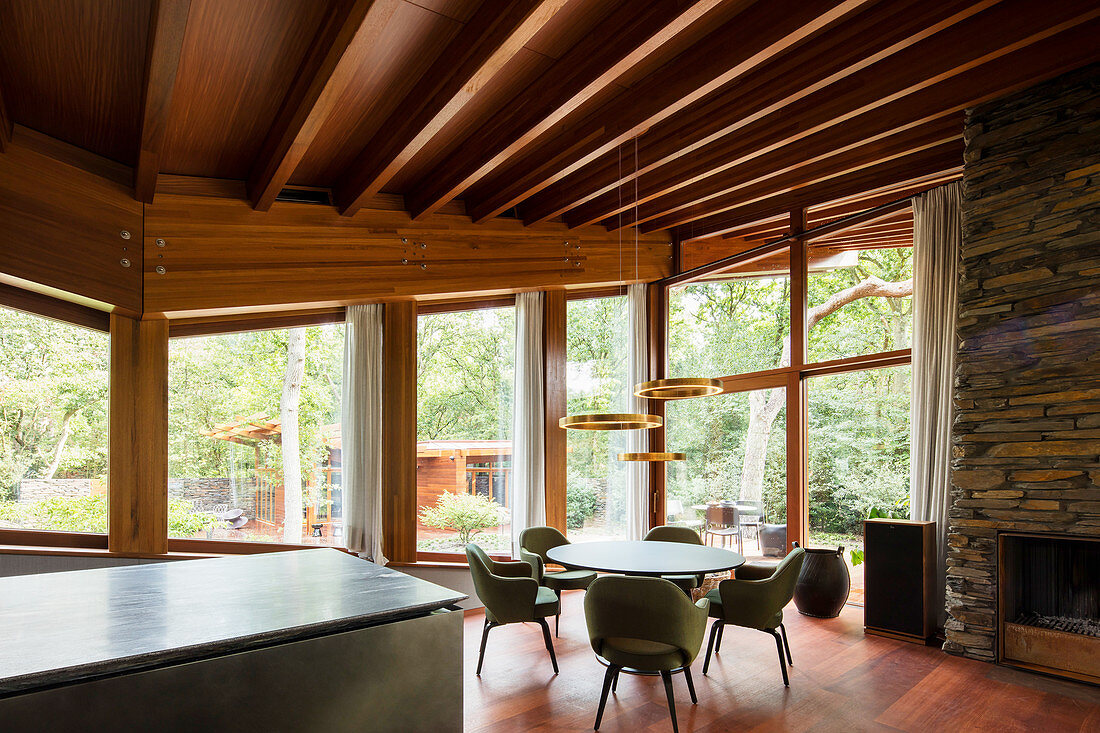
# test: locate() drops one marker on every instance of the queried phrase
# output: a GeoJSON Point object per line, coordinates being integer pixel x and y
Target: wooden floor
{"type": "Point", "coordinates": [842, 681]}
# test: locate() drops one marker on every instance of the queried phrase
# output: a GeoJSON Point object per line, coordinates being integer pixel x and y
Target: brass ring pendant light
{"type": "Point", "coordinates": [653, 456]}
{"type": "Point", "coordinates": [611, 421]}
{"type": "Point", "coordinates": [678, 389]}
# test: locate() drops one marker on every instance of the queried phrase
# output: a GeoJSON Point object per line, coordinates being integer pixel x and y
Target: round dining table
{"type": "Point", "coordinates": [645, 558]}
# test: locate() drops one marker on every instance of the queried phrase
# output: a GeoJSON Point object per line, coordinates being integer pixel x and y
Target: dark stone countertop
{"type": "Point", "coordinates": [59, 628]}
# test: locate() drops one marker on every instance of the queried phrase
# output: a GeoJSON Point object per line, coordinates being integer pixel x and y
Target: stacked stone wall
{"type": "Point", "coordinates": [1026, 437]}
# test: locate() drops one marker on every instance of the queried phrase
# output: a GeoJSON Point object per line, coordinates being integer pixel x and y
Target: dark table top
{"type": "Point", "coordinates": [646, 558]}
{"type": "Point", "coordinates": [59, 628]}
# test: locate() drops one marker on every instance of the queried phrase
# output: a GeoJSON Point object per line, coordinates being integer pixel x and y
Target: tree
{"type": "Point", "coordinates": [292, 456]}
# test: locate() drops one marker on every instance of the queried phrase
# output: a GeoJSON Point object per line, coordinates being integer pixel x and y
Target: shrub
{"type": "Point", "coordinates": [89, 514]}
{"type": "Point", "coordinates": [581, 503]}
{"type": "Point", "coordinates": [466, 514]}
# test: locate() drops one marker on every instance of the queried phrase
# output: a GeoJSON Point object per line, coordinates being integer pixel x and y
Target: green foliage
{"type": "Point", "coordinates": [581, 503]}
{"type": "Point", "coordinates": [466, 514]}
{"type": "Point", "coordinates": [89, 514]}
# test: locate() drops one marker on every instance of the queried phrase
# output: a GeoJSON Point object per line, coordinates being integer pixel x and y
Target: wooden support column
{"type": "Point", "coordinates": [399, 431]}
{"type": "Point", "coordinates": [798, 516]}
{"type": "Point", "coordinates": [554, 341]}
{"type": "Point", "coordinates": [657, 338]}
{"type": "Point", "coordinates": [138, 402]}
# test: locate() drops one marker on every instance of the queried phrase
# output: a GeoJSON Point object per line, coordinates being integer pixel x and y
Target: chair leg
{"type": "Point", "coordinates": [782, 662]}
{"type": "Point", "coordinates": [710, 645]}
{"type": "Point", "coordinates": [667, 677]}
{"type": "Point", "coordinates": [691, 685]}
{"type": "Point", "coordinates": [786, 646]}
{"type": "Point", "coordinates": [557, 616]}
{"type": "Point", "coordinates": [615, 682]}
{"type": "Point", "coordinates": [484, 638]}
{"type": "Point", "coordinates": [549, 643]}
{"type": "Point", "coordinates": [609, 677]}
{"type": "Point", "coordinates": [721, 633]}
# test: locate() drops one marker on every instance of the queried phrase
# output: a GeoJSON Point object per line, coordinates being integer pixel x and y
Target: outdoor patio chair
{"type": "Point", "coordinates": [723, 521]}
{"type": "Point", "coordinates": [534, 542]}
{"type": "Point", "coordinates": [511, 595]}
{"type": "Point", "coordinates": [755, 599]}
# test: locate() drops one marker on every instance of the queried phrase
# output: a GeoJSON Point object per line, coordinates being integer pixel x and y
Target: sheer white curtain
{"type": "Point", "coordinates": [361, 431]}
{"type": "Point", "coordinates": [528, 420]}
{"type": "Point", "coordinates": [637, 441]}
{"type": "Point", "coordinates": [937, 236]}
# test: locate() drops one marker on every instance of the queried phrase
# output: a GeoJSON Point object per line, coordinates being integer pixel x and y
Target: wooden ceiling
{"type": "Point", "coordinates": [712, 118]}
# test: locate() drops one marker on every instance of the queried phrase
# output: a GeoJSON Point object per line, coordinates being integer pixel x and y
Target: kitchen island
{"type": "Point", "coordinates": [301, 640]}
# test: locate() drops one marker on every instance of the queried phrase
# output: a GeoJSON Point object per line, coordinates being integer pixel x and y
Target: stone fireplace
{"type": "Point", "coordinates": [1026, 437]}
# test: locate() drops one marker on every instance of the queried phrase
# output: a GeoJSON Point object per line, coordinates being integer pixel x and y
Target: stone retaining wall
{"type": "Point", "coordinates": [1026, 438]}
{"type": "Point", "coordinates": [37, 489]}
{"type": "Point", "coordinates": [209, 492]}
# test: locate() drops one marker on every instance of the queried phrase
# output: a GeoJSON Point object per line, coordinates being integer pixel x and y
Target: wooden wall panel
{"type": "Point", "coordinates": [62, 229]}
{"type": "Point", "coordinates": [222, 255]}
{"type": "Point", "coordinates": [554, 340]}
{"type": "Point", "coordinates": [399, 431]}
{"type": "Point", "coordinates": [138, 473]}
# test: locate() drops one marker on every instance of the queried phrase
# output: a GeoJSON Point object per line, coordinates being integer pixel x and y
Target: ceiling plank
{"type": "Point", "coordinates": [320, 80]}
{"type": "Point", "coordinates": [847, 48]}
{"type": "Point", "coordinates": [630, 34]}
{"type": "Point", "coordinates": [943, 159]}
{"type": "Point", "coordinates": [492, 37]}
{"type": "Point", "coordinates": [167, 24]}
{"type": "Point", "coordinates": [899, 91]}
{"type": "Point", "coordinates": [728, 52]}
{"type": "Point", "coordinates": [793, 176]}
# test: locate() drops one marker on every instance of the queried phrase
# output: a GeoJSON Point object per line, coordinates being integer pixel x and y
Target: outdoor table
{"type": "Point", "coordinates": [645, 558]}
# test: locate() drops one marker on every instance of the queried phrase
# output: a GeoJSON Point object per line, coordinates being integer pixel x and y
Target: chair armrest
{"type": "Point", "coordinates": [536, 563]}
{"type": "Point", "coordinates": [512, 598]}
{"type": "Point", "coordinates": [514, 569]}
{"type": "Point", "coordinates": [704, 604]}
{"type": "Point", "coordinates": [754, 571]}
{"type": "Point", "coordinates": [750, 603]}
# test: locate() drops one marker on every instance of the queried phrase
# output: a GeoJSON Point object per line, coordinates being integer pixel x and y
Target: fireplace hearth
{"type": "Point", "coordinates": [1049, 593]}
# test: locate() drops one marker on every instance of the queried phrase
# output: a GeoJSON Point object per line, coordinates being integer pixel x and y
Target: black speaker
{"type": "Point", "coordinates": [899, 578]}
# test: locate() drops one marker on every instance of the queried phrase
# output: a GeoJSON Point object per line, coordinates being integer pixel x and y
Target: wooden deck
{"type": "Point", "coordinates": [842, 681]}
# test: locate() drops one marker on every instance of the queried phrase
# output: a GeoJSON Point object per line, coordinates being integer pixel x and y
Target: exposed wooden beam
{"type": "Point", "coordinates": [494, 35]}
{"type": "Point", "coordinates": [629, 35]}
{"type": "Point", "coordinates": [848, 47]}
{"type": "Point", "coordinates": [324, 74]}
{"type": "Point", "coordinates": [167, 24]}
{"type": "Point", "coordinates": [793, 166]}
{"type": "Point", "coordinates": [756, 35]}
{"type": "Point", "coordinates": [966, 63]}
{"type": "Point", "coordinates": [940, 160]}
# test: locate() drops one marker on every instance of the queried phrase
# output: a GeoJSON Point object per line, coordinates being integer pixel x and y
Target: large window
{"type": "Point", "coordinates": [736, 457]}
{"type": "Point", "coordinates": [860, 302]}
{"type": "Point", "coordinates": [596, 381]}
{"type": "Point", "coordinates": [254, 436]}
{"type": "Point", "coordinates": [858, 455]}
{"type": "Point", "coordinates": [53, 424]}
{"type": "Point", "coordinates": [465, 371]}
{"type": "Point", "coordinates": [735, 326]}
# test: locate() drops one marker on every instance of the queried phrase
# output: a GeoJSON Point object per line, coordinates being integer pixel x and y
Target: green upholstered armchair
{"type": "Point", "coordinates": [533, 545]}
{"type": "Point", "coordinates": [644, 624]}
{"type": "Point", "coordinates": [511, 595]}
{"type": "Point", "coordinates": [755, 598]}
{"type": "Point", "coordinates": [687, 536]}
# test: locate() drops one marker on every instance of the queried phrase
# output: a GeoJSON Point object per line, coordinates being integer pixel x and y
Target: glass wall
{"type": "Point", "coordinates": [736, 455]}
{"type": "Point", "coordinates": [53, 424]}
{"type": "Point", "coordinates": [860, 302]}
{"type": "Point", "coordinates": [231, 398]}
{"type": "Point", "coordinates": [465, 374]}
{"type": "Point", "coordinates": [858, 455]}
{"type": "Point", "coordinates": [597, 381]}
{"type": "Point", "coordinates": [730, 327]}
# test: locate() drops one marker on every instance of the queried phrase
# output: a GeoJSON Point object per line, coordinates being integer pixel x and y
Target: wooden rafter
{"type": "Point", "coordinates": [852, 46]}
{"type": "Point", "coordinates": [628, 36]}
{"type": "Point", "coordinates": [980, 57]}
{"type": "Point", "coordinates": [754, 36]}
{"type": "Point", "coordinates": [323, 75]}
{"type": "Point", "coordinates": [495, 34]}
{"type": "Point", "coordinates": [167, 25]}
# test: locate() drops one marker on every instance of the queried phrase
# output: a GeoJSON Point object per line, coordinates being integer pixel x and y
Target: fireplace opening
{"type": "Point", "coordinates": [1049, 593]}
